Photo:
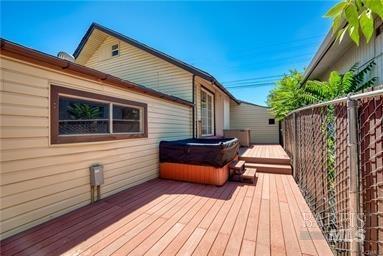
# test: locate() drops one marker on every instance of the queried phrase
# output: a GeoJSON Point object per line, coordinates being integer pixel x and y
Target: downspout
{"type": "Point", "coordinates": [193, 110]}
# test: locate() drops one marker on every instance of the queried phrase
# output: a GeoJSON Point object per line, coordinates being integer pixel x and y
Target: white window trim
{"type": "Point", "coordinates": [212, 111]}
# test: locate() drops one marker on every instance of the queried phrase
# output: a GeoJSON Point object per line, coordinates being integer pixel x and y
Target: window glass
{"type": "Point", "coordinates": [126, 119]}
{"type": "Point", "coordinates": [204, 121]}
{"type": "Point", "coordinates": [206, 113]}
{"type": "Point", "coordinates": [115, 50]}
{"type": "Point", "coordinates": [210, 114]}
{"type": "Point", "coordinates": [77, 116]}
{"type": "Point", "coordinates": [271, 121]}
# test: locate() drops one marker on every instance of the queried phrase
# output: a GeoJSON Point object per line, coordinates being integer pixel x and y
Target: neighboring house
{"type": "Point", "coordinates": [333, 55]}
{"type": "Point", "coordinates": [126, 58]}
{"type": "Point", "coordinates": [264, 129]}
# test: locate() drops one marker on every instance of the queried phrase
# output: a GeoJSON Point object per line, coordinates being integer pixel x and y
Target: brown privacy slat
{"type": "Point", "coordinates": [320, 245]}
{"type": "Point", "coordinates": [328, 201]}
{"type": "Point", "coordinates": [342, 176]}
{"type": "Point", "coordinates": [371, 165]}
{"type": "Point", "coordinates": [326, 186]}
{"type": "Point", "coordinates": [288, 135]}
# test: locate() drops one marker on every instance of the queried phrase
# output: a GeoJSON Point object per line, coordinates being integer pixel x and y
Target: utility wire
{"type": "Point", "coordinates": [250, 85]}
{"type": "Point", "coordinates": [259, 48]}
{"type": "Point", "coordinates": [252, 82]}
{"type": "Point", "coordinates": [255, 47]}
{"type": "Point", "coordinates": [255, 81]}
{"type": "Point", "coordinates": [252, 78]}
{"type": "Point", "coordinates": [272, 63]}
{"type": "Point", "coordinates": [255, 56]}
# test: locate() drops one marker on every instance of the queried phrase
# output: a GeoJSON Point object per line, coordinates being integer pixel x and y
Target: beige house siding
{"type": "Point", "coordinates": [255, 118]}
{"type": "Point", "coordinates": [138, 66]}
{"type": "Point", "coordinates": [219, 98]}
{"type": "Point", "coordinates": [40, 181]}
{"type": "Point", "coordinates": [362, 55]}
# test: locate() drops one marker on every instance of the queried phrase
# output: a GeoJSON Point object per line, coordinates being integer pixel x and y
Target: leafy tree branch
{"type": "Point", "coordinates": [356, 18]}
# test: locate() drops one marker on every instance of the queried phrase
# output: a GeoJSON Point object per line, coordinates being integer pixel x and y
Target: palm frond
{"type": "Point", "coordinates": [354, 68]}
{"type": "Point", "coordinates": [348, 82]}
{"type": "Point", "coordinates": [317, 88]}
{"type": "Point", "coordinates": [370, 83]}
{"type": "Point", "coordinates": [360, 81]}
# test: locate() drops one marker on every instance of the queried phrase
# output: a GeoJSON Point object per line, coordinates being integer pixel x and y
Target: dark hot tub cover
{"type": "Point", "coordinates": [213, 152]}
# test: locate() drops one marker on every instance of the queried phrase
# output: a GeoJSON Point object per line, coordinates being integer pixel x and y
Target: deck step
{"type": "Point", "coordinates": [270, 168]}
{"type": "Point", "coordinates": [237, 165]}
{"type": "Point", "coordinates": [263, 160]}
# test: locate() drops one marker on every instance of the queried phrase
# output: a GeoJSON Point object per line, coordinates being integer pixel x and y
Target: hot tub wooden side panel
{"type": "Point", "coordinates": [195, 173]}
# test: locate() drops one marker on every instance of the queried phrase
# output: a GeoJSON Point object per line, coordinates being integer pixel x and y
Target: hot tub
{"type": "Point", "coordinates": [198, 160]}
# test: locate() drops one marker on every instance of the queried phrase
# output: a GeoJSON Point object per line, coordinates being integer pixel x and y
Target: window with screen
{"type": "Point", "coordinates": [79, 116]}
{"type": "Point", "coordinates": [126, 119]}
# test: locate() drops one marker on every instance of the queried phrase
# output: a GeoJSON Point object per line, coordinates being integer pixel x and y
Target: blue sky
{"type": "Point", "coordinates": [245, 45]}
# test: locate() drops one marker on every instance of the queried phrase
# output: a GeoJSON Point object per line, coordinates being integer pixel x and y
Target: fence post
{"type": "Point", "coordinates": [352, 114]}
{"type": "Point", "coordinates": [295, 146]}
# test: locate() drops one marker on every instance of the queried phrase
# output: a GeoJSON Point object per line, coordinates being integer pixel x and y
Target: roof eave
{"type": "Point", "coordinates": [17, 51]}
{"type": "Point", "coordinates": [253, 104]}
{"type": "Point", "coordinates": [319, 55]}
{"type": "Point", "coordinates": [325, 46]}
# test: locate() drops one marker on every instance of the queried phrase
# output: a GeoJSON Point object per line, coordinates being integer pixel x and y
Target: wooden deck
{"type": "Point", "coordinates": [266, 158]}
{"type": "Point", "coordinates": [267, 154]}
{"type": "Point", "coordinates": [163, 217]}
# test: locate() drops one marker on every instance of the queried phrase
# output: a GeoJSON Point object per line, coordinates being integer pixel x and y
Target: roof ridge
{"type": "Point", "coordinates": [153, 51]}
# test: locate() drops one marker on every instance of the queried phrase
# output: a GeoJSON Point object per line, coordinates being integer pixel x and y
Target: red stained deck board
{"type": "Point", "coordinates": [179, 218]}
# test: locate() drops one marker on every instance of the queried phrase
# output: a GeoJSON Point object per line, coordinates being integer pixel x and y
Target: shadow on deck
{"type": "Point", "coordinates": [169, 218]}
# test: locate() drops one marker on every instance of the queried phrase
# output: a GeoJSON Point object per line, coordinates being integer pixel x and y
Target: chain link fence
{"type": "Point", "coordinates": [341, 183]}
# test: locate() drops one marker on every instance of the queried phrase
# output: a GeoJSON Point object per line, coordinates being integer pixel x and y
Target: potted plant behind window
{"type": "Point", "coordinates": [87, 113]}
